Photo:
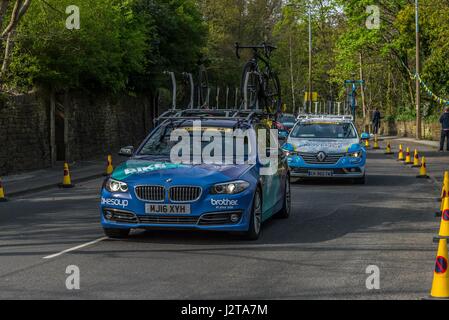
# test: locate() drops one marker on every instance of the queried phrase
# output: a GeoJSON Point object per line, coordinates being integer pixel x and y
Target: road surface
{"type": "Point", "coordinates": [335, 232]}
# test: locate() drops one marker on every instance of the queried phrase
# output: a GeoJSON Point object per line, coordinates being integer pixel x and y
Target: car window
{"type": "Point", "coordinates": [159, 143]}
{"type": "Point", "coordinates": [310, 130]}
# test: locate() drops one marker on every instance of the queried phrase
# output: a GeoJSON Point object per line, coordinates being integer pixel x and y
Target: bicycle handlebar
{"type": "Point", "coordinates": [267, 48]}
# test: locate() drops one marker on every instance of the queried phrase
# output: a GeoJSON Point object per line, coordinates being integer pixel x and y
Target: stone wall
{"type": "Point", "coordinates": [96, 125]}
{"type": "Point", "coordinates": [24, 134]}
{"type": "Point", "coordinates": [430, 130]}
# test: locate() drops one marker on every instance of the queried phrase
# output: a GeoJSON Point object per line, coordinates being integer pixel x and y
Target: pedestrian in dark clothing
{"type": "Point", "coordinates": [376, 120]}
{"type": "Point", "coordinates": [444, 120]}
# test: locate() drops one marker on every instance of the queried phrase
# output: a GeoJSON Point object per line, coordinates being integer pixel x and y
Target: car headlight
{"type": "Point", "coordinates": [116, 186]}
{"type": "Point", "coordinates": [234, 187]}
{"type": "Point", "coordinates": [357, 154]}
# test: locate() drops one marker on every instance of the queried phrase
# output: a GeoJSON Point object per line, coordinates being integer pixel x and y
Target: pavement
{"type": "Point", "coordinates": [437, 162]}
{"type": "Point", "coordinates": [37, 180]}
{"type": "Point", "coordinates": [336, 231]}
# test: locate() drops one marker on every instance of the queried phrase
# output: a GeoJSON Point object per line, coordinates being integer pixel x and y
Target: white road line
{"type": "Point", "coordinates": [75, 248]}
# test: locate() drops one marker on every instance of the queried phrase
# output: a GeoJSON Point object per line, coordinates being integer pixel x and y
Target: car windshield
{"type": "Point", "coordinates": [324, 131]}
{"type": "Point", "coordinates": [159, 143]}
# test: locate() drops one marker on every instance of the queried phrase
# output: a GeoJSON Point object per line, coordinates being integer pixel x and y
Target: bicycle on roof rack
{"type": "Point", "coordinates": [260, 87]}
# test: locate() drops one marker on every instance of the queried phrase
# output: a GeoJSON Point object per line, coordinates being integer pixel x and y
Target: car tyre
{"type": "Point", "coordinates": [287, 206]}
{"type": "Point", "coordinates": [116, 233]}
{"type": "Point", "coordinates": [255, 223]}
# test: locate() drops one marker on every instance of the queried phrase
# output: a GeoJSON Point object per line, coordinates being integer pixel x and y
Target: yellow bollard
{"type": "Point", "coordinates": [445, 187]}
{"type": "Point", "coordinates": [401, 153]}
{"type": "Point", "coordinates": [110, 167]}
{"type": "Point", "coordinates": [67, 181]}
{"type": "Point", "coordinates": [423, 170]}
{"type": "Point", "coordinates": [408, 157]}
{"type": "Point", "coordinates": [367, 145]}
{"type": "Point", "coordinates": [376, 143]}
{"type": "Point", "coordinates": [440, 284]}
{"type": "Point", "coordinates": [416, 160]}
{"type": "Point", "coordinates": [2, 193]}
{"type": "Point", "coordinates": [388, 150]}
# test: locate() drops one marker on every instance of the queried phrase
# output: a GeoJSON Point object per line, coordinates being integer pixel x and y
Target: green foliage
{"type": "Point", "coordinates": [119, 45]}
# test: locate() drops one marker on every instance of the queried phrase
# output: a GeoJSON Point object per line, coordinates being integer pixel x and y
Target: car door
{"type": "Point", "coordinates": [271, 186]}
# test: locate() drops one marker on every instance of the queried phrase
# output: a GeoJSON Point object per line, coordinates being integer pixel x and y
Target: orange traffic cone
{"type": "Point", "coordinates": [416, 160]}
{"type": "Point", "coordinates": [423, 170]}
{"type": "Point", "coordinates": [388, 151]}
{"type": "Point", "coordinates": [408, 157]}
{"type": "Point", "coordinates": [2, 193]}
{"type": "Point", "coordinates": [440, 284]}
{"type": "Point", "coordinates": [110, 167]}
{"type": "Point", "coordinates": [66, 182]}
{"type": "Point", "coordinates": [401, 153]}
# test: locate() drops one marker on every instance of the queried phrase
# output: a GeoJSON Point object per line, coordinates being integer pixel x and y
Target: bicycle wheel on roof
{"type": "Point", "coordinates": [250, 87]}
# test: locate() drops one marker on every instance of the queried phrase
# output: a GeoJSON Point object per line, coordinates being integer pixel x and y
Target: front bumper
{"type": "Point", "coordinates": [345, 168]}
{"type": "Point", "coordinates": [204, 215]}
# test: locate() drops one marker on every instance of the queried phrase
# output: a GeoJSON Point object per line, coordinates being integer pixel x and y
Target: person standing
{"type": "Point", "coordinates": [444, 120]}
{"type": "Point", "coordinates": [376, 121]}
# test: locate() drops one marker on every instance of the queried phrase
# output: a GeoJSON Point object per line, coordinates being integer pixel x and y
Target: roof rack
{"type": "Point", "coordinates": [325, 117]}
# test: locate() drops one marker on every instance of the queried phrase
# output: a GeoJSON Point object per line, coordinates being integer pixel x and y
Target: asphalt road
{"type": "Point", "coordinates": [336, 231]}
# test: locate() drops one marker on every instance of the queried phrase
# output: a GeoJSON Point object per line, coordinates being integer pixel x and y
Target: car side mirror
{"type": "Point", "coordinates": [126, 151]}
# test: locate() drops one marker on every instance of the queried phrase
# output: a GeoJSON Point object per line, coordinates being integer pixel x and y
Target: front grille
{"type": "Point", "coordinates": [184, 193]}
{"type": "Point", "coordinates": [121, 216]}
{"type": "Point", "coordinates": [168, 220]}
{"type": "Point", "coordinates": [306, 170]}
{"type": "Point", "coordinates": [312, 158]}
{"type": "Point", "coordinates": [150, 193]}
{"type": "Point", "coordinates": [222, 218]}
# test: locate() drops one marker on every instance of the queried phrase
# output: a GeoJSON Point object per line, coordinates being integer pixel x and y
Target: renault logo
{"type": "Point", "coordinates": [321, 156]}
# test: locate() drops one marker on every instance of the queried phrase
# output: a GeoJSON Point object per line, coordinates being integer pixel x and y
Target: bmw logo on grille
{"type": "Point", "coordinates": [169, 180]}
{"type": "Point", "coordinates": [321, 156]}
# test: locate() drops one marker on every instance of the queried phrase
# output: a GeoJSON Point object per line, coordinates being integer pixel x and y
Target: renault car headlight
{"type": "Point", "coordinates": [357, 154]}
{"type": "Point", "coordinates": [234, 187]}
{"type": "Point", "coordinates": [116, 186]}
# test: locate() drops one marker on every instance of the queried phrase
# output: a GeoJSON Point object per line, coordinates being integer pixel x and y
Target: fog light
{"type": "Point", "coordinates": [108, 215]}
{"type": "Point", "coordinates": [235, 217]}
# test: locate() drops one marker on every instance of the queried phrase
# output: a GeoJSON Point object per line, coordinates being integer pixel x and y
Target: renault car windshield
{"type": "Point", "coordinates": [324, 131]}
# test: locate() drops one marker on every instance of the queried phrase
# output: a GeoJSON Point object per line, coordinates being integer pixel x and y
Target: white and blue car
{"type": "Point", "coordinates": [326, 147]}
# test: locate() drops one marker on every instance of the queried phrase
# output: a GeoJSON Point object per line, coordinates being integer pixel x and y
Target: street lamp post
{"type": "Point", "coordinates": [310, 54]}
{"type": "Point", "coordinates": [418, 86]}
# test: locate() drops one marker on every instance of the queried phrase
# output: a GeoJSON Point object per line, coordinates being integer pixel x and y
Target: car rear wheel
{"type": "Point", "coordinates": [116, 233]}
{"type": "Point", "coordinates": [255, 223]}
{"type": "Point", "coordinates": [287, 206]}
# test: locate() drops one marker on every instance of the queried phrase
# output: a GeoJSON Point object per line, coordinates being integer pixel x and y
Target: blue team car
{"type": "Point", "coordinates": [149, 191]}
{"type": "Point", "coordinates": [326, 147]}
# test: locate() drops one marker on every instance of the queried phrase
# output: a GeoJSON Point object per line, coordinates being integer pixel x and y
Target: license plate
{"type": "Point", "coordinates": [151, 208]}
{"type": "Point", "coordinates": [320, 173]}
